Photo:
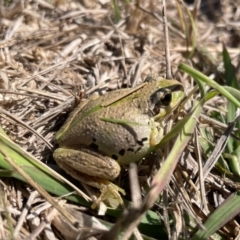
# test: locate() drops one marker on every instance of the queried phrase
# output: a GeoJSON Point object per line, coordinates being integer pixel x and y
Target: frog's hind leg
{"type": "Point", "coordinates": [107, 188]}
{"type": "Point", "coordinates": [93, 169]}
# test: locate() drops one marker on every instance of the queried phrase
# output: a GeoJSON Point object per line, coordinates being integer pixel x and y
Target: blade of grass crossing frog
{"type": "Point", "coordinates": [179, 125]}
{"type": "Point", "coordinates": [164, 174]}
{"type": "Point", "coordinates": [121, 122]}
{"type": "Point", "coordinates": [45, 179]}
{"type": "Point", "coordinates": [174, 131]}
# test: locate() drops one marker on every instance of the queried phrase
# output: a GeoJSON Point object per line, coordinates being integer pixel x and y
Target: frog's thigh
{"type": "Point", "coordinates": [87, 162]}
{"type": "Point", "coordinates": [65, 160]}
{"type": "Point", "coordinates": [103, 185]}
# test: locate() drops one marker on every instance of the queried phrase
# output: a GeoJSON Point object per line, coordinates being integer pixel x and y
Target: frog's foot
{"type": "Point", "coordinates": [109, 190]}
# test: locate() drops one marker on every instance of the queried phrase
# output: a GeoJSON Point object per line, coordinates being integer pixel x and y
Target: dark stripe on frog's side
{"type": "Point", "coordinates": [95, 147]}
{"type": "Point", "coordinates": [139, 148]}
{"type": "Point", "coordinates": [121, 152]}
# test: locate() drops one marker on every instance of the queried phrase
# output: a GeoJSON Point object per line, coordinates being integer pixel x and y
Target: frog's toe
{"type": "Point", "coordinates": [109, 190]}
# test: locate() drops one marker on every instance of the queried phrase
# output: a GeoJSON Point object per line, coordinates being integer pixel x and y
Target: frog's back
{"type": "Point", "coordinates": [120, 129]}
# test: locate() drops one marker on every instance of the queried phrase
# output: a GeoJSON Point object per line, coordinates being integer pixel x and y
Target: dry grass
{"type": "Point", "coordinates": [52, 56]}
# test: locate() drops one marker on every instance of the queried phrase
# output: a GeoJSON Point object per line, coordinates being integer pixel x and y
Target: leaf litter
{"type": "Point", "coordinates": [54, 54]}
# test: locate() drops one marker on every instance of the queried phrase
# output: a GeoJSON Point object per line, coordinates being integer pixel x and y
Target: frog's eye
{"type": "Point", "coordinates": [162, 97]}
{"type": "Point", "coordinates": [159, 99]}
{"type": "Point", "coordinates": [166, 98]}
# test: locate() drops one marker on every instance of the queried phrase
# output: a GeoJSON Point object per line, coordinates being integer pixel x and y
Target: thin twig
{"type": "Point", "coordinates": [167, 51]}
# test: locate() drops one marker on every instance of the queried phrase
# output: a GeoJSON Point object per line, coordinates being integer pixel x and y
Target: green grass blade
{"type": "Point", "coordinates": [44, 178]}
{"type": "Point", "coordinates": [230, 76]}
{"type": "Point", "coordinates": [235, 92]}
{"type": "Point", "coordinates": [231, 81]}
{"type": "Point", "coordinates": [116, 10]}
{"type": "Point", "coordinates": [33, 168]}
{"type": "Point", "coordinates": [200, 76]}
{"type": "Point", "coordinates": [164, 174]}
{"type": "Point", "coordinates": [223, 214]}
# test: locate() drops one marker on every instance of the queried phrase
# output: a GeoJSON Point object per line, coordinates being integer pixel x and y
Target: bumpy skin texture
{"type": "Point", "coordinates": [123, 129]}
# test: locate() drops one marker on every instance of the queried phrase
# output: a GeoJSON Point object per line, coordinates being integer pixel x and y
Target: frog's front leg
{"type": "Point", "coordinates": [91, 168]}
{"type": "Point", "coordinates": [156, 135]}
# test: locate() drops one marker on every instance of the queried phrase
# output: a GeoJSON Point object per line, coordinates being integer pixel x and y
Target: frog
{"type": "Point", "coordinates": [106, 133]}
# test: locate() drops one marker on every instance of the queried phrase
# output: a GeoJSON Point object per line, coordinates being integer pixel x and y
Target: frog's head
{"type": "Point", "coordinates": [166, 97]}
